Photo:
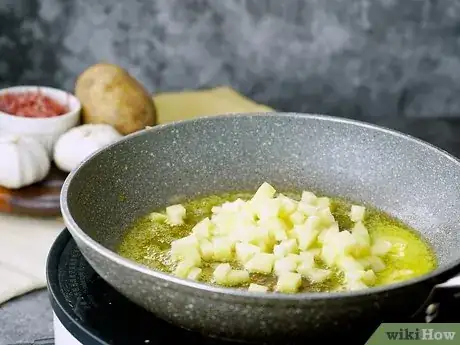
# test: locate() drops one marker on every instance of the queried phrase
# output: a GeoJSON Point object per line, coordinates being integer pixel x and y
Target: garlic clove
{"type": "Point", "coordinates": [74, 146]}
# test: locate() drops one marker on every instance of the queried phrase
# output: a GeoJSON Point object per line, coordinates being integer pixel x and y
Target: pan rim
{"type": "Point", "coordinates": [246, 296]}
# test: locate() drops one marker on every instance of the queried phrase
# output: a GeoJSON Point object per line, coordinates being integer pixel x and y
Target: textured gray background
{"type": "Point", "coordinates": [344, 58]}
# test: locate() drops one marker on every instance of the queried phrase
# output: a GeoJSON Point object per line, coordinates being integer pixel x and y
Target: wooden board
{"type": "Point", "coordinates": [40, 199]}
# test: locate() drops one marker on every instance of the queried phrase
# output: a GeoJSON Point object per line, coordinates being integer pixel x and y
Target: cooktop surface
{"type": "Point", "coordinates": [94, 313]}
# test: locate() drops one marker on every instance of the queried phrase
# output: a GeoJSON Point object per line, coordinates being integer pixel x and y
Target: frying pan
{"type": "Point", "coordinates": [147, 170]}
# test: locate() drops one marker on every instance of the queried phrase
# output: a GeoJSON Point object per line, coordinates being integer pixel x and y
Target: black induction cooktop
{"type": "Point", "coordinates": [94, 313]}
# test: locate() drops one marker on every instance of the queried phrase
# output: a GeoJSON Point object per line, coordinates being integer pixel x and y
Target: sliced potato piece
{"type": "Point", "coordinates": [285, 247]}
{"type": "Point", "coordinates": [237, 277]}
{"type": "Point", "coordinates": [175, 214]}
{"type": "Point", "coordinates": [203, 229]}
{"type": "Point", "coordinates": [261, 263]}
{"type": "Point", "coordinates": [157, 217]}
{"type": "Point", "coordinates": [206, 249]}
{"type": "Point", "coordinates": [194, 273]}
{"type": "Point", "coordinates": [308, 197]}
{"type": "Point", "coordinates": [317, 275]}
{"type": "Point", "coordinates": [357, 213]}
{"type": "Point", "coordinates": [245, 251]}
{"type": "Point", "coordinates": [286, 264]}
{"type": "Point", "coordinates": [265, 191]}
{"type": "Point", "coordinates": [183, 268]}
{"type": "Point", "coordinates": [221, 272]}
{"type": "Point", "coordinates": [289, 282]}
{"type": "Point", "coordinates": [222, 249]}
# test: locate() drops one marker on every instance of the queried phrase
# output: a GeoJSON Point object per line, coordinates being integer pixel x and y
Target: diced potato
{"type": "Point", "coordinates": [307, 233]}
{"type": "Point", "coordinates": [289, 282]}
{"type": "Point", "coordinates": [306, 264]}
{"type": "Point", "coordinates": [306, 258]}
{"type": "Point", "coordinates": [357, 213]}
{"type": "Point", "coordinates": [265, 246]}
{"type": "Point", "coordinates": [261, 263]}
{"type": "Point", "coordinates": [276, 228]}
{"type": "Point", "coordinates": [266, 209]}
{"type": "Point", "coordinates": [245, 251]}
{"type": "Point", "coordinates": [259, 235]}
{"type": "Point", "coordinates": [193, 256]}
{"type": "Point", "coordinates": [376, 263]}
{"type": "Point", "coordinates": [307, 209]}
{"type": "Point", "coordinates": [317, 275]}
{"type": "Point", "coordinates": [326, 217]}
{"type": "Point", "coordinates": [328, 254]}
{"type": "Point", "coordinates": [221, 272]}
{"type": "Point", "coordinates": [381, 247]}
{"type": "Point", "coordinates": [233, 206]}
{"type": "Point", "coordinates": [224, 224]}
{"type": "Point", "coordinates": [306, 239]}
{"type": "Point", "coordinates": [237, 277]}
{"type": "Point", "coordinates": [285, 247]}
{"type": "Point", "coordinates": [157, 217]}
{"type": "Point", "coordinates": [265, 191]}
{"type": "Point", "coordinates": [261, 238]}
{"type": "Point", "coordinates": [353, 275]}
{"type": "Point", "coordinates": [186, 247]}
{"type": "Point", "coordinates": [369, 277]}
{"type": "Point", "coordinates": [365, 262]}
{"type": "Point", "coordinates": [288, 205]}
{"type": "Point", "coordinates": [203, 229]}
{"type": "Point", "coordinates": [327, 235]}
{"type": "Point", "coordinates": [286, 264]}
{"type": "Point", "coordinates": [360, 232]}
{"type": "Point", "coordinates": [206, 250]}
{"type": "Point", "coordinates": [323, 202]}
{"type": "Point", "coordinates": [183, 268]}
{"type": "Point", "coordinates": [194, 273]}
{"type": "Point", "coordinates": [175, 214]}
{"type": "Point", "coordinates": [344, 243]}
{"type": "Point", "coordinates": [297, 218]}
{"type": "Point", "coordinates": [222, 249]}
{"type": "Point", "coordinates": [257, 288]}
{"type": "Point", "coordinates": [347, 264]}
{"type": "Point", "coordinates": [308, 198]}
{"type": "Point", "coordinates": [246, 233]}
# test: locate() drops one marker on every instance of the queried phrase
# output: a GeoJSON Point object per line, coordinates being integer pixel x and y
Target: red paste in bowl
{"type": "Point", "coordinates": [31, 104]}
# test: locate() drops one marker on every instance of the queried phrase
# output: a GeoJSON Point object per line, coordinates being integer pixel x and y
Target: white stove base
{"type": "Point", "coordinates": [61, 335]}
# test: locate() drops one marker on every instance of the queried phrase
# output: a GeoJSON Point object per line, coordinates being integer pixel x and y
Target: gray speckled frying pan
{"type": "Point", "coordinates": [403, 176]}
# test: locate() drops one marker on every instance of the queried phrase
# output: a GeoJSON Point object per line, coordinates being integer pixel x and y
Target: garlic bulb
{"type": "Point", "coordinates": [24, 161]}
{"type": "Point", "coordinates": [78, 143]}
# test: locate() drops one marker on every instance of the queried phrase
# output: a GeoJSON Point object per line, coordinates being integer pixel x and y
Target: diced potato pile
{"type": "Point", "coordinates": [272, 234]}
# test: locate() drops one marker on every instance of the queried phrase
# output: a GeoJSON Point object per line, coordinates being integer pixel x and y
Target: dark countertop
{"type": "Point", "coordinates": [30, 317]}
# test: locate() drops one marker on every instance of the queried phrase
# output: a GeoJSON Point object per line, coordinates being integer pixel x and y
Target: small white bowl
{"type": "Point", "coordinates": [46, 130]}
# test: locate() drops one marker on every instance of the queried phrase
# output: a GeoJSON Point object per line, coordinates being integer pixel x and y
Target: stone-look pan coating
{"type": "Point", "coordinates": [400, 175]}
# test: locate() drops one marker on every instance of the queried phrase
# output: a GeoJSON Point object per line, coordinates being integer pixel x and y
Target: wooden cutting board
{"type": "Point", "coordinates": [40, 199]}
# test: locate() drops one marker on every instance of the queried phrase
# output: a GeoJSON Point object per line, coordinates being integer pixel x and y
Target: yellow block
{"type": "Point", "coordinates": [183, 105]}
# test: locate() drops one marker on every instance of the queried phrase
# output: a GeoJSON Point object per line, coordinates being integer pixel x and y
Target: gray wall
{"type": "Point", "coordinates": [341, 57]}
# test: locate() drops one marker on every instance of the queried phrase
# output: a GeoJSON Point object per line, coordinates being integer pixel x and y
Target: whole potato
{"type": "Point", "coordinates": [110, 95]}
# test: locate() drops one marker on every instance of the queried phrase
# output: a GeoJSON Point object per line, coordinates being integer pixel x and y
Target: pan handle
{"type": "Point", "coordinates": [443, 293]}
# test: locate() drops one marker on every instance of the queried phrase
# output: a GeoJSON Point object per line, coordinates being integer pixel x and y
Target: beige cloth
{"type": "Point", "coordinates": [25, 242]}
{"type": "Point", "coordinates": [24, 246]}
